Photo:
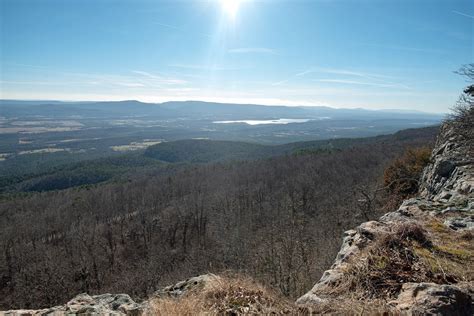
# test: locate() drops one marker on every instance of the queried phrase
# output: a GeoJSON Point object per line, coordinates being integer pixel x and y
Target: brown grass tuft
{"type": "Point", "coordinates": [467, 235]}
{"type": "Point", "coordinates": [387, 264]}
{"type": "Point", "coordinates": [409, 253]}
{"type": "Point", "coordinates": [450, 259]}
{"type": "Point", "coordinates": [227, 295]}
{"type": "Point", "coordinates": [351, 306]}
{"type": "Point", "coordinates": [413, 232]}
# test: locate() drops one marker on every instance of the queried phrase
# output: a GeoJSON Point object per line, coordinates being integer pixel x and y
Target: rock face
{"type": "Point", "coordinates": [447, 178]}
{"type": "Point", "coordinates": [185, 286]}
{"type": "Point", "coordinates": [116, 304]}
{"type": "Point", "coordinates": [447, 196]}
{"type": "Point", "coordinates": [460, 223]}
{"type": "Point", "coordinates": [105, 304]}
{"type": "Point", "coordinates": [433, 299]}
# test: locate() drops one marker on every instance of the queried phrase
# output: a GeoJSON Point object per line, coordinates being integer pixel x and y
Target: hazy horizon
{"type": "Point", "coordinates": [228, 103]}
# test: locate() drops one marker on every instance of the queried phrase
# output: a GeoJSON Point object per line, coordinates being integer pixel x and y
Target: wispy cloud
{"type": "Point", "coordinates": [407, 48]}
{"type": "Point", "coordinates": [373, 79]}
{"type": "Point", "coordinates": [134, 79]}
{"type": "Point", "coordinates": [205, 67]}
{"type": "Point", "coordinates": [41, 83]}
{"type": "Point", "coordinates": [463, 14]}
{"type": "Point", "coordinates": [156, 79]}
{"type": "Point", "coordinates": [25, 65]}
{"type": "Point", "coordinates": [279, 83]}
{"type": "Point", "coordinates": [166, 25]}
{"type": "Point", "coordinates": [361, 83]}
{"type": "Point", "coordinates": [145, 74]}
{"type": "Point", "coordinates": [252, 50]}
{"type": "Point", "coordinates": [331, 71]}
{"type": "Point", "coordinates": [178, 28]}
{"type": "Point", "coordinates": [300, 74]}
{"type": "Point", "coordinates": [130, 84]}
{"type": "Point", "coordinates": [304, 73]}
{"type": "Point", "coordinates": [367, 75]}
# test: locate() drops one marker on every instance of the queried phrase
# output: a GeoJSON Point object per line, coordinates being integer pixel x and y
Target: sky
{"type": "Point", "coordinates": [374, 54]}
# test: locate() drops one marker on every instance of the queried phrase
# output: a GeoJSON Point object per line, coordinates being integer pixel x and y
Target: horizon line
{"type": "Point", "coordinates": [227, 103]}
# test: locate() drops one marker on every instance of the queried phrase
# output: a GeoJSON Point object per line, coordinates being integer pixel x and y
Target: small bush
{"type": "Point", "coordinates": [413, 232]}
{"type": "Point", "coordinates": [404, 233]}
{"type": "Point", "coordinates": [462, 116]}
{"type": "Point", "coordinates": [401, 178]}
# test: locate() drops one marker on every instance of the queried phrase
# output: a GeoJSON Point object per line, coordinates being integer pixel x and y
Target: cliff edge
{"type": "Point", "coordinates": [420, 258]}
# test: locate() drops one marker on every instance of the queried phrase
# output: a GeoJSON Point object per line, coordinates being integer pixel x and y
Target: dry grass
{"type": "Point", "coordinates": [235, 295]}
{"type": "Point", "coordinates": [226, 295]}
{"type": "Point", "coordinates": [380, 272]}
{"type": "Point", "coordinates": [191, 305]}
{"type": "Point", "coordinates": [410, 253]}
{"type": "Point", "coordinates": [411, 232]}
{"type": "Point", "coordinates": [451, 258]}
{"type": "Point", "coordinates": [350, 306]}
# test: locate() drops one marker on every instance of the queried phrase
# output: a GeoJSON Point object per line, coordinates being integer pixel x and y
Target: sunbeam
{"type": "Point", "coordinates": [230, 7]}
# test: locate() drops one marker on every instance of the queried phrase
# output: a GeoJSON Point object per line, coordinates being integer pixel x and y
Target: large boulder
{"type": "Point", "coordinates": [84, 304]}
{"type": "Point", "coordinates": [460, 223]}
{"type": "Point", "coordinates": [111, 304]}
{"type": "Point", "coordinates": [433, 299]}
{"type": "Point", "coordinates": [186, 286]}
{"type": "Point", "coordinates": [445, 168]}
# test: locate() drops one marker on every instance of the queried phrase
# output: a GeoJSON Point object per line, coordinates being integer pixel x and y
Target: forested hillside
{"type": "Point", "coordinates": [57, 171]}
{"type": "Point", "coordinates": [277, 219]}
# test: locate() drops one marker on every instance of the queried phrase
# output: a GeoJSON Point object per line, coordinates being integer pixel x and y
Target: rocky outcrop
{"type": "Point", "coordinates": [433, 299]}
{"type": "Point", "coordinates": [448, 178]}
{"type": "Point", "coordinates": [105, 304]}
{"type": "Point", "coordinates": [447, 202]}
{"type": "Point", "coordinates": [460, 223]}
{"type": "Point", "coordinates": [117, 304]}
{"type": "Point", "coordinates": [183, 287]}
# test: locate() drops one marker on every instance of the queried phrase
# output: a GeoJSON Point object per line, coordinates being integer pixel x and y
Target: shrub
{"type": "Point", "coordinates": [414, 232]}
{"type": "Point", "coordinates": [462, 116]}
{"type": "Point", "coordinates": [401, 178]}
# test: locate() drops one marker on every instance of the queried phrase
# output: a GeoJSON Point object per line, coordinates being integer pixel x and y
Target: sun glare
{"type": "Point", "coordinates": [230, 7]}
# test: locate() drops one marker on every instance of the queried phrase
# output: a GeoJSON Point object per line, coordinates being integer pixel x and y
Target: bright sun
{"type": "Point", "coordinates": [230, 7]}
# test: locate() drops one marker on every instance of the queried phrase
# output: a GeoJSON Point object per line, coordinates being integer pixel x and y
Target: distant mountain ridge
{"type": "Point", "coordinates": [196, 110]}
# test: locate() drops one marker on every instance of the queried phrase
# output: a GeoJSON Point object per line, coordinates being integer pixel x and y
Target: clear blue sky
{"type": "Point", "coordinates": [374, 54]}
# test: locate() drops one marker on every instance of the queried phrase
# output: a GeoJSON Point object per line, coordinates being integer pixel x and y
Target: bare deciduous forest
{"type": "Point", "coordinates": [279, 220]}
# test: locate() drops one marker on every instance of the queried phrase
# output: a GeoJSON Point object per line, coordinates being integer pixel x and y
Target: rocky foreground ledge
{"type": "Point", "coordinates": [115, 304]}
{"type": "Point", "coordinates": [207, 294]}
{"type": "Point", "coordinates": [105, 304]}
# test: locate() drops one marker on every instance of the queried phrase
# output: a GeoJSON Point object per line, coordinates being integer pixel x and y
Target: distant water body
{"type": "Point", "coordinates": [265, 122]}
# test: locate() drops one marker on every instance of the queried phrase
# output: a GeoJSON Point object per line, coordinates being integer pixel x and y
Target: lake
{"type": "Point", "coordinates": [265, 122]}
